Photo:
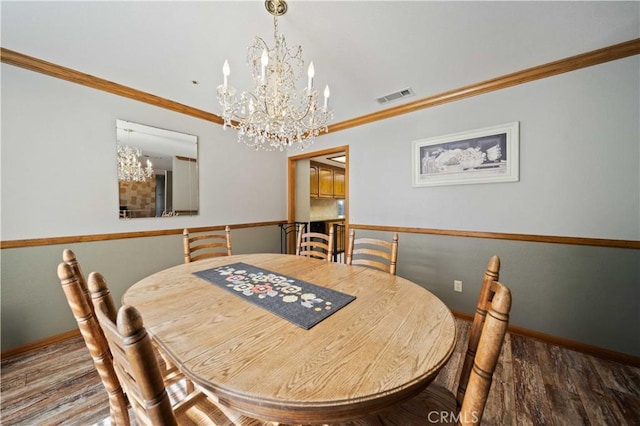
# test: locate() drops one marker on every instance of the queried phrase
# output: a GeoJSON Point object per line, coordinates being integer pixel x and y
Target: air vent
{"type": "Point", "coordinates": [395, 96]}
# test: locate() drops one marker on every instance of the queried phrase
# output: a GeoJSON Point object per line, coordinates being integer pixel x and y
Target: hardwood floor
{"type": "Point", "coordinates": [535, 384]}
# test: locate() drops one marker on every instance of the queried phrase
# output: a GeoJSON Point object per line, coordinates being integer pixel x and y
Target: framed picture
{"type": "Point", "coordinates": [477, 156]}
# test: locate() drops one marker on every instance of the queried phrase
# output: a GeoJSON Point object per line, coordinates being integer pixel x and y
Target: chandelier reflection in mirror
{"type": "Point", "coordinates": [276, 115]}
{"type": "Point", "coordinates": [129, 167]}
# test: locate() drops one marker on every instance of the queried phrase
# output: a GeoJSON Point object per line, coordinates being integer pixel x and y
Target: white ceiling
{"type": "Point", "coordinates": [362, 49]}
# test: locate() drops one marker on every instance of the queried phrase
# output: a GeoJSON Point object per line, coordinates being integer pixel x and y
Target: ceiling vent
{"type": "Point", "coordinates": [395, 96]}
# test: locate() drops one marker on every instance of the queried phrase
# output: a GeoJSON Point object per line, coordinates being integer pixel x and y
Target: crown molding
{"type": "Point", "coordinates": [595, 57]}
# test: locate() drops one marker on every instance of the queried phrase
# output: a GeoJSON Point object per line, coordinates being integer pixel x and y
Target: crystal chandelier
{"type": "Point", "coordinates": [275, 115]}
{"type": "Point", "coordinates": [129, 167]}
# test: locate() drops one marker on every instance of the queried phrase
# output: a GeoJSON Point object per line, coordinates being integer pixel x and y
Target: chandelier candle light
{"type": "Point", "coordinates": [275, 115]}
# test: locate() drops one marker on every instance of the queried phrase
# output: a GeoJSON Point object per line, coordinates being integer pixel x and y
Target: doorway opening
{"type": "Point", "coordinates": [330, 205]}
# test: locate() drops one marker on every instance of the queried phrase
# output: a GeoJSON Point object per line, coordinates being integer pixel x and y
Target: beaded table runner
{"type": "Point", "coordinates": [299, 302]}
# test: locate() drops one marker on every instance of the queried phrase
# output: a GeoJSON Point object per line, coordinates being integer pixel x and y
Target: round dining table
{"type": "Point", "coordinates": [381, 348]}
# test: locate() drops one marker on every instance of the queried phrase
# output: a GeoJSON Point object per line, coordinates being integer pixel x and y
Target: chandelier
{"type": "Point", "coordinates": [275, 115]}
{"type": "Point", "coordinates": [129, 167]}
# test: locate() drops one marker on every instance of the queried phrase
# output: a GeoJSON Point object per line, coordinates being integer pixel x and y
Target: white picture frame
{"type": "Point", "coordinates": [486, 155]}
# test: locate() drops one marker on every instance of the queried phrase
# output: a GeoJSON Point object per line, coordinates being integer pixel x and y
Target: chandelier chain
{"type": "Point", "coordinates": [275, 28]}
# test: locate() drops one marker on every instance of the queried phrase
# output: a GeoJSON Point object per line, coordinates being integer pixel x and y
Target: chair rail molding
{"type": "Point", "coordinates": [553, 239]}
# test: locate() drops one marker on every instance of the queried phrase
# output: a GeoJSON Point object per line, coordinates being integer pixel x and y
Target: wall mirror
{"type": "Point", "coordinates": [157, 171]}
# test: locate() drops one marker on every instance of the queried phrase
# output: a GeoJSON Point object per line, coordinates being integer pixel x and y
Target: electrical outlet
{"type": "Point", "coordinates": [457, 286]}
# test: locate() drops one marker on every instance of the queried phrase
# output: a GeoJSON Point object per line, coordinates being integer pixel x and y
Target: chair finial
{"type": "Point", "coordinates": [68, 256]}
{"type": "Point", "coordinates": [129, 321]}
{"type": "Point", "coordinates": [65, 272]}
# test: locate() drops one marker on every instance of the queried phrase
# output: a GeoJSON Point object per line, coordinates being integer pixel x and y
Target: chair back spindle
{"type": "Point", "coordinates": [69, 257]}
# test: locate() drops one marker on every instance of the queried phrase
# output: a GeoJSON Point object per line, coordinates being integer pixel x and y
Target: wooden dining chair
{"type": "Point", "coordinates": [467, 406]}
{"type": "Point", "coordinates": [77, 294]}
{"type": "Point", "coordinates": [315, 244]}
{"type": "Point", "coordinates": [169, 371]}
{"type": "Point", "coordinates": [206, 245]}
{"type": "Point", "coordinates": [374, 253]}
{"type": "Point", "coordinates": [491, 274]}
{"type": "Point", "coordinates": [135, 361]}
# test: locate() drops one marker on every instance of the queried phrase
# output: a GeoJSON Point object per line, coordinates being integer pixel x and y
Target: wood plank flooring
{"type": "Point", "coordinates": [535, 384]}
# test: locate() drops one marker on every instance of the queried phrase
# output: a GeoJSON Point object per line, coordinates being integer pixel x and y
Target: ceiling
{"type": "Point", "coordinates": [363, 49]}
{"type": "Point", "coordinates": [328, 159]}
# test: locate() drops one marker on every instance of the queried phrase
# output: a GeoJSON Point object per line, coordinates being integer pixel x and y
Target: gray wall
{"type": "Point", "coordinates": [579, 160]}
{"type": "Point", "coordinates": [59, 173]}
{"type": "Point", "coordinates": [34, 306]}
{"type": "Point", "coordinates": [59, 179]}
{"type": "Point", "coordinates": [585, 294]}
{"type": "Point", "coordinates": [579, 177]}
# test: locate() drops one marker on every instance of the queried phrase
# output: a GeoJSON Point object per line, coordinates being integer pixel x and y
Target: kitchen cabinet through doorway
{"type": "Point", "coordinates": [326, 181]}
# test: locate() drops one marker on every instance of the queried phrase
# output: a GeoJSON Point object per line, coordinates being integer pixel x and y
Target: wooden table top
{"type": "Point", "coordinates": [383, 347]}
